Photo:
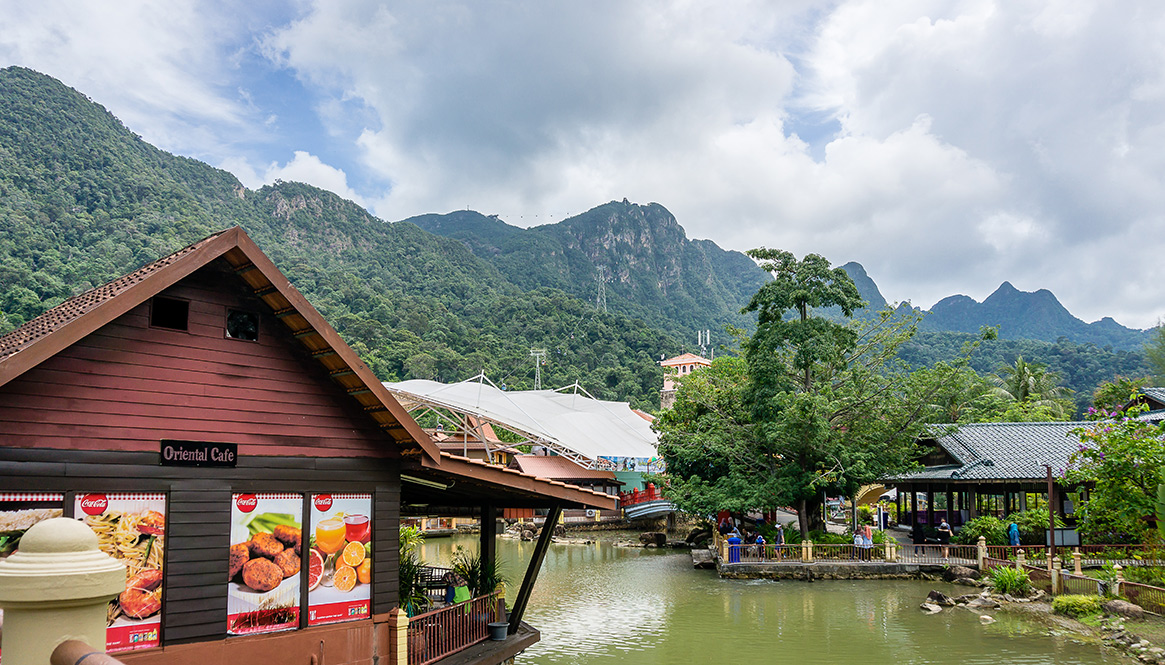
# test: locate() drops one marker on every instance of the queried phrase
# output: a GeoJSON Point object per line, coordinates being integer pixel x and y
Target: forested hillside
{"type": "Point", "coordinates": [649, 268]}
{"type": "Point", "coordinates": [83, 200]}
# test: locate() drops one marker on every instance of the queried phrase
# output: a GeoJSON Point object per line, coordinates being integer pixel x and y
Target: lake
{"type": "Point", "coordinates": [606, 604]}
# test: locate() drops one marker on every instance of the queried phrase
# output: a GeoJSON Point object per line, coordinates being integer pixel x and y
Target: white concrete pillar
{"type": "Point", "coordinates": [56, 587]}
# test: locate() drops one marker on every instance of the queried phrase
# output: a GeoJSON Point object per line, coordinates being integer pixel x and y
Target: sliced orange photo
{"type": "Point", "coordinates": [353, 554]}
{"type": "Point", "coordinates": [344, 578]}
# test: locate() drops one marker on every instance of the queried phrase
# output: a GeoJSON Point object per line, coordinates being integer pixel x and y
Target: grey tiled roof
{"type": "Point", "coordinates": [1003, 451]}
{"type": "Point", "coordinates": [1156, 394]}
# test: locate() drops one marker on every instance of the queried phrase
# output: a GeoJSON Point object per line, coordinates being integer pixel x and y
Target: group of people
{"type": "Point", "coordinates": [864, 541]}
{"type": "Point", "coordinates": [737, 535]}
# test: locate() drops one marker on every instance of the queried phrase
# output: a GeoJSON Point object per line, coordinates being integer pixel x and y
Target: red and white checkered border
{"type": "Point", "coordinates": [128, 496]}
{"type": "Point", "coordinates": [32, 496]}
{"type": "Point", "coordinates": [270, 495]}
{"type": "Point", "coordinates": [358, 495]}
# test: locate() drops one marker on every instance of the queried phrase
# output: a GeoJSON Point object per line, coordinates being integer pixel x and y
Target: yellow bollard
{"type": "Point", "coordinates": [56, 587]}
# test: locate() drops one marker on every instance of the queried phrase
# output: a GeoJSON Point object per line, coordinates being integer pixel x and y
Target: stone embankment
{"type": "Point", "coordinates": [1118, 629]}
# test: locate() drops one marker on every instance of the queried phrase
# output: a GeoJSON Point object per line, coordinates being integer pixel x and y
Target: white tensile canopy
{"type": "Point", "coordinates": [573, 425]}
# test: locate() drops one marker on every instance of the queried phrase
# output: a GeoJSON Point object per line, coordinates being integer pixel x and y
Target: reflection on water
{"type": "Point", "coordinates": [602, 604]}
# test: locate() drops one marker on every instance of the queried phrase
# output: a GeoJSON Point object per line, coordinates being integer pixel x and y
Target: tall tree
{"type": "Point", "coordinates": [1155, 352]}
{"type": "Point", "coordinates": [815, 406]}
{"type": "Point", "coordinates": [1032, 386]}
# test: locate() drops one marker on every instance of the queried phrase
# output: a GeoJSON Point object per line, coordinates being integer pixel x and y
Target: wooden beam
{"type": "Point", "coordinates": [535, 565]}
{"type": "Point", "coordinates": [489, 544]}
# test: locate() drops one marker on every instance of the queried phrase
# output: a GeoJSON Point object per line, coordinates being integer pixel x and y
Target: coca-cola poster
{"type": "Point", "coordinates": [264, 563]}
{"type": "Point", "coordinates": [130, 527]}
{"type": "Point", "coordinates": [339, 561]}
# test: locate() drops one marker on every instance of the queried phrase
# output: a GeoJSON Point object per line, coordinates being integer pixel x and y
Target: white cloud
{"type": "Point", "coordinates": [946, 146]}
{"type": "Point", "coordinates": [156, 66]}
{"type": "Point", "coordinates": [304, 167]}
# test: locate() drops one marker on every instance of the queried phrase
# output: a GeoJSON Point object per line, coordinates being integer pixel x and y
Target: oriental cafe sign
{"type": "Point", "coordinates": [198, 453]}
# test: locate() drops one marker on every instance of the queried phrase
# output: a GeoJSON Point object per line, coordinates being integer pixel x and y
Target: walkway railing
{"type": "Point", "coordinates": [437, 634]}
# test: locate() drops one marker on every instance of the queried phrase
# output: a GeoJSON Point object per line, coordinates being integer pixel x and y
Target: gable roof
{"type": "Point", "coordinates": [1002, 451]}
{"type": "Point", "coordinates": [67, 323]}
{"type": "Point", "coordinates": [1154, 395]}
{"type": "Point", "coordinates": [558, 468]}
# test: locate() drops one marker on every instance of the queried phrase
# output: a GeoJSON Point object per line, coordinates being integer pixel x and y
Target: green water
{"type": "Point", "coordinates": [603, 604]}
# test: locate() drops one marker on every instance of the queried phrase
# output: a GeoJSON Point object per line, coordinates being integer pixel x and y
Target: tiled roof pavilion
{"type": "Point", "coordinates": [985, 452]}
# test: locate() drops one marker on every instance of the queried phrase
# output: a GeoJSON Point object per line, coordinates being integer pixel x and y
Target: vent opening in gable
{"type": "Point", "coordinates": [170, 313]}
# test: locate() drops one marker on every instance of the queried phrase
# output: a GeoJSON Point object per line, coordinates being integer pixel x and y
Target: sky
{"type": "Point", "coordinates": [945, 146]}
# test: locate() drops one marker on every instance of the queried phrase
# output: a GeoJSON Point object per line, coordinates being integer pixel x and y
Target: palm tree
{"type": "Point", "coordinates": [1032, 383]}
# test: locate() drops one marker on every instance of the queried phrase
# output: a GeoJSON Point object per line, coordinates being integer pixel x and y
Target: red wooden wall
{"type": "Point", "coordinates": [128, 386]}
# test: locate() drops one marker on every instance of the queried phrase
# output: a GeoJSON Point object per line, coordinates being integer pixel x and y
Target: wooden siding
{"type": "Point", "coordinates": [198, 515]}
{"type": "Point", "coordinates": [127, 386]}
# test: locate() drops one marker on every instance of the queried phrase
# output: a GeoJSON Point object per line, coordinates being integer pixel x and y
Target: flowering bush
{"type": "Point", "coordinates": [1125, 458]}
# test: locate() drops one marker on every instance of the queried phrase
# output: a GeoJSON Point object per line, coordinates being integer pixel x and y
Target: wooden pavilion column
{"type": "Point", "coordinates": [929, 506]}
{"type": "Point", "coordinates": [488, 548]}
{"type": "Point", "coordinates": [913, 506]}
{"type": "Point", "coordinates": [535, 565]}
{"type": "Point", "coordinates": [972, 504]}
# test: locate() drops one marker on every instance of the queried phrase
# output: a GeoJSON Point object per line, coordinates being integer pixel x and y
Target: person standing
{"type": "Point", "coordinates": [734, 542]}
{"type": "Point", "coordinates": [1013, 535]}
{"type": "Point", "coordinates": [944, 537]}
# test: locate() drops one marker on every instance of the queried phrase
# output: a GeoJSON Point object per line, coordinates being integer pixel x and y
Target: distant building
{"type": "Point", "coordinates": [674, 368]}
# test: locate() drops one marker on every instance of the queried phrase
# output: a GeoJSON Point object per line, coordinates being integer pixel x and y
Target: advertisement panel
{"type": "Point", "coordinates": [264, 571]}
{"type": "Point", "coordinates": [130, 527]}
{"type": "Point", "coordinates": [339, 563]}
{"type": "Point", "coordinates": [640, 464]}
{"type": "Point", "coordinates": [18, 512]}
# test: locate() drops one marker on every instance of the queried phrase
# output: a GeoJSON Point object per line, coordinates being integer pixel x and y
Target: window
{"type": "Point", "coordinates": [242, 325]}
{"type": "Point", "coordinates": [170, 313]}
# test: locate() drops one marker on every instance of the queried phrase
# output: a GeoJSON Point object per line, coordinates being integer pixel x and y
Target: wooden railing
{"type": "Point", "coordinates": [76, 652]}
{"type": "Point", "coordinates": [437, 634]}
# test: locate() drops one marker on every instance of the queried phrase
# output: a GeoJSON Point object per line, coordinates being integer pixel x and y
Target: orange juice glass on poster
{"type": "Point", "coordinates": [330, 535]}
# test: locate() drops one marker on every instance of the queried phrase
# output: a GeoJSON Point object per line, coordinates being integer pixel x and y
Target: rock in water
{"type": "Point", "coordinates": [955, 572]}
{"type": "Point", "coordinates": [653, 539]}
{"type": "Point", "coordinates": [940, 598]}
{"type": "Point", "coordinates": [983, 602]}
{"type": "Point", "coordinates": [703, 559]}
{"type": "Point", "coordinates": [986, 619]}
{"type": "Point", "coordinates": [930, 608]}
{"type": "Point", "coordinates": [1124, 608]}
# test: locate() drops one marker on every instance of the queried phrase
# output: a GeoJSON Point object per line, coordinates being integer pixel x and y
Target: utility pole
{"type": "Point", "coordinates": [538, 355]}
{"type": "Point", "coordinates": [601, 298]}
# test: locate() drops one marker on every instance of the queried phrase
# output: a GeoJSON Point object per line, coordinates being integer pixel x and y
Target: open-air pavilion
{"type": "Point", "coordinates": [987, 469]}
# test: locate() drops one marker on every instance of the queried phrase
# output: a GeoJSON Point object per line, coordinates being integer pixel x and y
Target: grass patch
{"type": "Point", "coordinates": [1011, 581]}
{"type": "Point", "coordinates": [1076, 605]}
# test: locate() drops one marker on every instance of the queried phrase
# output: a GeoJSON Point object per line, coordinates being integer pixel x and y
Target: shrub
{"type": "Point", "coordinates": [991, 528]}
{"type": "Point", "coordinates": [1033, 526]}
{"type": "Point", "coordinates": [1151, 575]}
{"type": "Point", "coordinates": [1009, 580]}
{"type": "Point", "coordinates": [1076, 605]}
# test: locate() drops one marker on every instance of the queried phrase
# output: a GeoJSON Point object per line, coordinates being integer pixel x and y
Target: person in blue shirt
{"type": "Point", "coordinates": [734, 542]}
{"type": "Point", "coordinates": [1013, 534]}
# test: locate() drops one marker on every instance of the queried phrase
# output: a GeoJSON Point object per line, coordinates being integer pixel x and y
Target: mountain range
{"type": "Point", "coordinates": [443, 296]}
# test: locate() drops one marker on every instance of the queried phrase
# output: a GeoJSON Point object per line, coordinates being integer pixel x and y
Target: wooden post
{"type": "Point", "coordinates": [1076, 567]}
{"type": "Point", "coordinates": [488, 544]}
{"type": "Point", "coordinates": [535, 564]}
{"type": "Point", "coordinates": [56, 587]}
{"type": "Point", "coordinates": [981, 553]}
{"type": "Point", "coordinates": [398, 637]}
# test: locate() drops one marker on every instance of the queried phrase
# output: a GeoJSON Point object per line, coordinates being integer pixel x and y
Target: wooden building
{"type": "Point", "coordinates": [201, 386]}
{"type": "Point", "coordinates": [986, 469]}
{"type": "Point", "coordinates": [565, 470]}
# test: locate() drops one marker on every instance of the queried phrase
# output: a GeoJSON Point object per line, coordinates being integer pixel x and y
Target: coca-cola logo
{"type": "Point", "coordinates": [322, 502]}
{"type": "Point", "coordinates": [94, 504]}
{"type": "Point", "coordinates": [246, 502]}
